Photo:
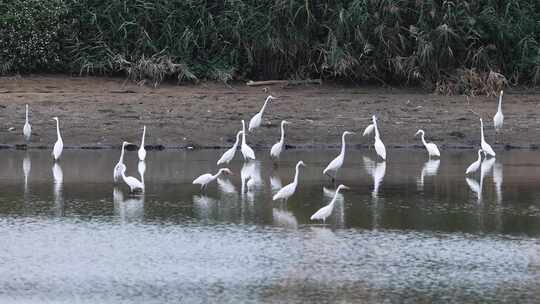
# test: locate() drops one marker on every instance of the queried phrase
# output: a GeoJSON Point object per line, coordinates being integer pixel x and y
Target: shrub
{"type": "Point", "coordinates": [448, 46]}
{"type": "Point", "coordinates": [30, 35]}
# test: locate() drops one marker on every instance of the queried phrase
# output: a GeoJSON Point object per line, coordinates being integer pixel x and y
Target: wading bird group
{"type": "Point", "coordinates": [282, 193]}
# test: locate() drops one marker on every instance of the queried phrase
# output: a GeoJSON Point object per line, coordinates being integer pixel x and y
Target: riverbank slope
{"type": "Point", "coordinates": [101, 112]}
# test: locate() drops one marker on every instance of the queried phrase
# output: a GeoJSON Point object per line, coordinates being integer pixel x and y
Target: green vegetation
{"type": "Point", "coordinates": [465, 46]}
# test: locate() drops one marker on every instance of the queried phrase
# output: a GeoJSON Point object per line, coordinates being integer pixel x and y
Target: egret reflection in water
{"type": "Point", "coordinates": [284, 218]}
{"type": "Point", "coordinates": [498, 180]}
{"type": "Point", "coordinates": [141, 168]}
{"type": "Point", "coordinates": [203, 205]}
{"type": "Point", "coordinates": [412, 245]}
{"type": "Point", "coordinates": [58, 178]}
{"type": "Point", "coordinates": [377, 170]}
{"type": "Point", "coordinates": [477, 186]}
{"type": "Point", "coordinates": [275, 183]}
{"type": "Point", "coordinates": [226, 186]}
{"type": "Point", "coordinates": [26, 166]}
{"type": "Point", "coordinates": [430, 168]}
{"type": "Point", "coordinates": [128, 209]}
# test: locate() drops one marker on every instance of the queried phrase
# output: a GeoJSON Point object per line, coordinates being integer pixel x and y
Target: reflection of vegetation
{"type": "Point", "coordinates": [452, 46]}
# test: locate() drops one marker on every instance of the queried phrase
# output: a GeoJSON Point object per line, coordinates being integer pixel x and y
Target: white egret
{"type": "Point", "coordinates": [368, 130]}
{"type": "Point", "coordinates": [256, 120]}
{"type": "Point", "coordinates": [287, 191]}
{"type": "Point", "coordinates": [328, 195]}
{"type": "Point", "coordinates": [134, 184]}
{"type": "Point", "coordinates": [59, 145]}
{"type": "Point", "coordinates": [337, 162]}
{"type": "Point", "coordinates": [229, 154]}
{"type": "Point", "coordinates": [278, 147]}
{"type": "Point", "coordinates": [485, 146]}
{"type": "Point", "coordinates": [246, 150]}
{"type": "Point", "coordinates": [120, 166]}
{"type": "Point", "coordinates": [27, 129]}
{"type": "Point", "coordinates": [207, 178]}
{"type": "Point", "coordinates": [474, 166]}
{"type": "Point", "coordinates": [498, 119]}
{"type": "Point", "coordinates": [379, 145]}
{"type": "Point", "coordinates": [325, 211]}
{"type": "Point", "coordinates": [142, 151]}
{"type": "Point", "coordinates": [431, 148]}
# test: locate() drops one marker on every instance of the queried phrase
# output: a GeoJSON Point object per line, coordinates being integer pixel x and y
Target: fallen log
{"type": "Point", "coordinates": [283, 82]}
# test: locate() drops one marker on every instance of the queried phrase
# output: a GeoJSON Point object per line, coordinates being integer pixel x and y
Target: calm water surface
{"type": "Point", "coordinates": [408, 231]}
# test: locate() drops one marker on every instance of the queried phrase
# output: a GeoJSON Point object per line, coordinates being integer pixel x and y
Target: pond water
{"type": "Point", "coordinates": [407, 231]}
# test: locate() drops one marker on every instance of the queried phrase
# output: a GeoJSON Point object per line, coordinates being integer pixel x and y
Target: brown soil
{"type": "Point", "coordinates": [101, 112]}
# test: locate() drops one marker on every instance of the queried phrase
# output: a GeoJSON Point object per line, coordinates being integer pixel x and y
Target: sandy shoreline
{"type": "Point", "coordinates": [101, 112]}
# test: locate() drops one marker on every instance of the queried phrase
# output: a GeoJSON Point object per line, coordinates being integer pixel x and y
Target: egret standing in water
{"type": "Point", "coordinates": [27, 129]}
{"type": "Point", "coordinates": [379, 145]}
{"type": "Point", "coordinates": [134, 184]}
{"type": "Point", "coordinates": [246, 150]}
{"type": "Point", "coordinates": [229, 154]}
{"type": "Point", "coordinates": [120, 166]}
{"type": "Point", "coordinates": [207, 178]}
{"type": "Point", "coordinates": [256, 120]}
{"type": "Point", "coordinates": [498, 119]}
{"type": "Point", "coordinates": [275, 152]}
{"type": "Point", "coordinates": [474, 166]}
{"type": "Point", "coordinates": [431, 148]}
{"type": "Point", "coordinates": [287, 191]}
{"type": "Point", "coordinates": [485, 146]}
{"type": "Point", "coordinates": [59, 145]}
{"type": "Point", "coordinates": [142, 151]}
{"type": "Point", "coordinates": [337, 162]}
{"type": "Point", "coordinates": [326, 211]}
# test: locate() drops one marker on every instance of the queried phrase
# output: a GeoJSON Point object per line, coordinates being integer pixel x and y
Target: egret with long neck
{"type": "Point", "coordinates": [256, 120]}
{"type": "Point", "coordinates": [229, 154]}
{"type": "Point", "coordinates": [337, 162]}
{"type": "Point", "coordinates": [27, 129]}
{"type": "Point", "coordinates": [326, 211]}
{"type": "Point", "coordinates": [134, 184]}
{"type": "Point", "coordinates": [379, 145]}
{"type": "Point", "coordinates": [59, 145]}
{"type": "Point", "coordinates": [142, 151]}
{"type": "Point", "coordinates": [498, 119]}
{"type": "Point", "coordinates": [287, 191]}
{"type": "Point", "coordinates": [484, 145]}
{"type": "Point", "coordinates": [431, 148]}
{"type": "Point", "coordinates": [275, 152]}
{"type": "Point", "coordinates": [207, 178]}
{"type": "Point", "coordinates": [120, 166]}
{"type": "Point", "coordinates": [247, 152]}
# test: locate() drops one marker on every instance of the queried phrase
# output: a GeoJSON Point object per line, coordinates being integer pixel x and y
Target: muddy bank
{"type": "Point", "coordinates": [101, 112]}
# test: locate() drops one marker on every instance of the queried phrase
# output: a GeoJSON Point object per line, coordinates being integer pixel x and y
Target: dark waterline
{"type": "Point", "coordinates": [407, 231]}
